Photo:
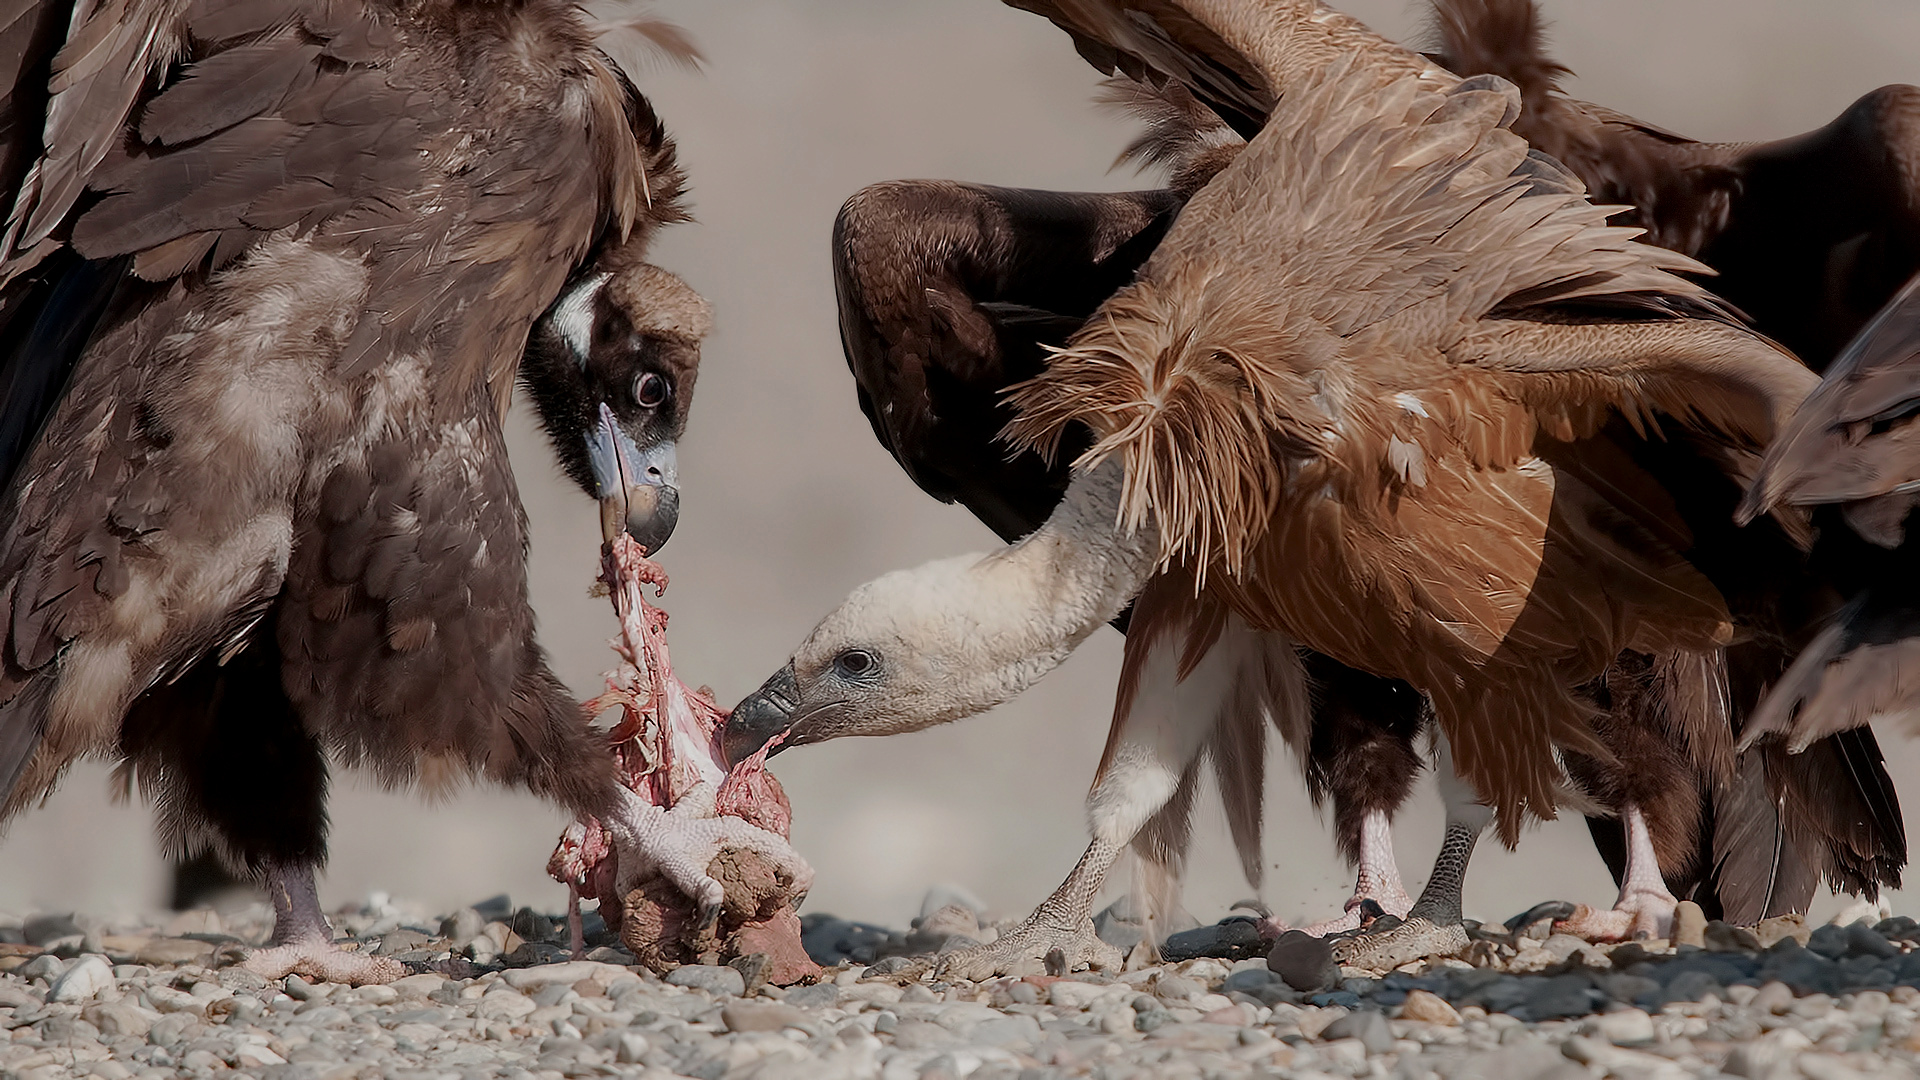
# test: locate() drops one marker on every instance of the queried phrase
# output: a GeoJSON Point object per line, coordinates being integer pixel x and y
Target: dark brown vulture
{"type": "Point", "coordinates": [1384, 388]}
{"type": "Point", "coordinates": [270, 269]}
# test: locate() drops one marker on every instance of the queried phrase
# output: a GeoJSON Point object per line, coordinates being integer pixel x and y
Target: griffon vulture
{"type": "Point", "coordinates": [951, 292]}
{"type": "Point", "coordinates": [1385, 389]}
{"type": "Point", "coordinates": [270, 268]}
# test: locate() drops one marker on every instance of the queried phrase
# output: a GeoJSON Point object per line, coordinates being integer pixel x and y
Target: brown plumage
{"type": "Point", "coordinates": [259, 502]}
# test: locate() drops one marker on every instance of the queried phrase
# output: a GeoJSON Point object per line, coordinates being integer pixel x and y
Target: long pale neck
{"type": "Point", "coordinates": [1033, 603]}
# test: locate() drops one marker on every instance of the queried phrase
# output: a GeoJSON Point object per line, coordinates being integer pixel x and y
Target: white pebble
{"type": "Point", "coordinates": [90, 976]}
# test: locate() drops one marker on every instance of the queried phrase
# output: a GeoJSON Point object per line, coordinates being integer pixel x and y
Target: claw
{"type": "Point", "coordinates": [1556, 910]}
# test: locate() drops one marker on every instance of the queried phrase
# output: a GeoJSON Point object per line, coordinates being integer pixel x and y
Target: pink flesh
{"type": "Point", "coordinates": [667, 740]}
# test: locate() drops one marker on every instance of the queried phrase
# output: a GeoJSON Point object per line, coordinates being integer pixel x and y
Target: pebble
{"type": "Point", "coordinates": [89, 977]}
{"type": "Point", "coordinates": [1745, 1003]}
{"type": "Point", "coordinates": [713, 979]}
{"type": "Point", "coordinates": [1689, 925]}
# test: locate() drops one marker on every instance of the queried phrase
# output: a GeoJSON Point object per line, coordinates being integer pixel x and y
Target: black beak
{"type": "Point", "coordinates": [760, 716]}
{"type": "Point", "coordinates": [638, 489]}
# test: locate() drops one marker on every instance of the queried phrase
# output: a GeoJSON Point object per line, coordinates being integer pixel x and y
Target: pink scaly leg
{"type": "Point", "coordinates": [1378, 880]}
{"type": "Point", "coordinates": [1645, 907]}
{"type": "Point", "coordinates": [303, 942]}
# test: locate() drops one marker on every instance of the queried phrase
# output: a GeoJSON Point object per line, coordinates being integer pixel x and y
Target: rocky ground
{"type": "Point", "coordinates": [80, 998]}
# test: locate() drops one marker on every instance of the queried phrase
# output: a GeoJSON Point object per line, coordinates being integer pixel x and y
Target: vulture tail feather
{"type": "Point", "coordinates": [23, 720]}
{"type": "Point", "coordinates": [1758, 871]}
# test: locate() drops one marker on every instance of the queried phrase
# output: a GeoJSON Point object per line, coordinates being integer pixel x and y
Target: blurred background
{"type": "Point", "coordinates": [789, 501]}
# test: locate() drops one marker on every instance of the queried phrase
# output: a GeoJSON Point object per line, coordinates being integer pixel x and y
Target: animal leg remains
{"type": "Point", "coordinates": [303, 942]}
{"type": "Point", "coordinates": [1645, 907]}
{"type": "Point", "coordinates": [1433, 926]}
{"type": "Point", "coordinates": [681, 821]}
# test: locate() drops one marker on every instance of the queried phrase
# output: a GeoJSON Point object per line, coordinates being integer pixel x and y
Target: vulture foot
{"type": "Point", "coordinates": [1360, 913]}
{"type": "Point", "coordinates": [1418, 938]}
{"type": "Point", "coordinates": [303, 943]}
{"type": "Point", "coordinates": [323, 961]}
{"type": "Point", "coordinates": [680, 844]}
{"type": "Point", "coordinates": [1637, 915]}
{"type": "Point", "coordinates": [1036, 947]}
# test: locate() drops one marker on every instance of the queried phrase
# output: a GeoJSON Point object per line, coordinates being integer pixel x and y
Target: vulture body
{"type": "Point", "coordinates": [1386, 389]}
{"type": "Point", "coordinates": [950, 293]}
{"type": "Point", "coordinates": [270, 270]}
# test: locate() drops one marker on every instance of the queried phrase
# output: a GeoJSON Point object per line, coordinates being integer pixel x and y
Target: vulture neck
{"type": "Point", "coordinates": [1033, 603]}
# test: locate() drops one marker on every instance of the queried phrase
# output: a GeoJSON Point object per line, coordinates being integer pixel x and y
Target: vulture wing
{"type": "Point", "coordinates": [1416, 327]}
{"type": "Point", "coordinates": [948, 294]}
{"type": "Point", "coordinates": [1855, 438]}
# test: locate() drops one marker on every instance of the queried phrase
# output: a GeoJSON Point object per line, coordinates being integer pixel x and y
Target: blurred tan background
{"type": "Point", "coordinates": [789, 501]}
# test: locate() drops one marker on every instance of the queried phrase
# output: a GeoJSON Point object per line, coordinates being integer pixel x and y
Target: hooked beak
{"type": "Point", "coordinates": [638, 489]}
{"type": "Point", "coordinates": [761, 716]}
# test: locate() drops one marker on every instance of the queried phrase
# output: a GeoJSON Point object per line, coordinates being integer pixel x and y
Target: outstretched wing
{"type": "Point", "coordinates": [1856, 437]}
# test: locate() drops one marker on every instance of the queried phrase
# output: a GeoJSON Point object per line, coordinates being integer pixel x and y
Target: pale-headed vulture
{"type": "Point", "coordinates": [270, 271]}
{"type": "Point", "coordinates": [1406, 426]}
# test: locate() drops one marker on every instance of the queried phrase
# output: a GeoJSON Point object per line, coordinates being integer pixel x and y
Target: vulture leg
{"type": "Point", "coordinates": [303, 942]}
{"type": "Point", "coordinates": [1645, 907]}
{"type": "Point", "coordinates": [1434, 926]}
{"type": "Point", "coordinates": [1361, 755]}
{"type": "Point", "coordinates": [1194, 680]}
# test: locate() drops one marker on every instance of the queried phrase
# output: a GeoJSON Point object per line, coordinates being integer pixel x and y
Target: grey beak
{"type": "Point", "coordinates": [760, 716]}
{"type": "Point", "coordinates": [638, 489]}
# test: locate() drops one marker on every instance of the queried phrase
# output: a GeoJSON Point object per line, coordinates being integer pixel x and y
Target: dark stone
{"type": "Point", "coordinates": [1899, 928]}
{"type": "Point", "coordinates": [45, 930]}
{"type": "Point", "coordinates": [1304, 962]}
{"type": "Point", "coordinates": [1692, 986]}
{"type": "Point", "coordinates": [495, 908]}
{"type": "Point", "coordinates": [1864, 940]}
{"type": "Point", "coordinates": [831, 941]}
{"type": "Point", "coordinates": [1337, 997]}
{"type": "Point", "coordinates": [533, 926]}
{"type": "Point", "coordinates": [1806, 971]}
{"type": "Point", "coordinates": [1631, 989]}
{"type": "Point", "coordinates": [1508, 994]}
{"type": "Point", "coordinates": [1367, 1025]}
{"type": "Point", "coordinates": [1562, 996]}
{"type": "Point", "coordinates": [1724, 937]}
{"type": "Point", "coordinates": [1829, 941]}
{"type": "Point", "coordinates": [1236, 938]}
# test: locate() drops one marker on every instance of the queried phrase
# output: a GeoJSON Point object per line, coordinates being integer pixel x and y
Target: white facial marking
{"type": "Point", "coordinates": [573, 316]}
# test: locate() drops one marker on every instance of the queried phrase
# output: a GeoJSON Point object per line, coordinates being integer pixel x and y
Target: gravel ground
{"type": "Point", "coordinates": [79, 998]}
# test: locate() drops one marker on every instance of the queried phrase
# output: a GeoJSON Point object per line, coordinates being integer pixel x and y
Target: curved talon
{"type": "Point", "coordinates": [1557, 910]}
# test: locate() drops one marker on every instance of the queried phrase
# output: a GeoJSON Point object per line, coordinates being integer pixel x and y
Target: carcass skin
{"type": "Point", "coordinates": [708, 874]}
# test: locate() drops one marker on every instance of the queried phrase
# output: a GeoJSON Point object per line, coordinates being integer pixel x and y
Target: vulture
{"type": "Point", "coordinates": [950, 292]}
{"type": "Point", "coordinates": [1388, 386]}
{"type": "Point", "coordinates": [268, 274]}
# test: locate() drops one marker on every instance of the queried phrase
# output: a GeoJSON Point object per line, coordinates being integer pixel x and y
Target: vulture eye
{"type": "Point", "coordinates": [651, 391]}
{"type": "Point", "coordinates": [855, 664]}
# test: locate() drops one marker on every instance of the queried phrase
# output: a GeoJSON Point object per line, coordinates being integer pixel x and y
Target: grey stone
{"type": "Point", "coordinates": [1304, 962]}
{"type": "Point", "coordinates": [1367, 1025]}
{"type": "Point", "coordinates": [1829, 941]}
{"type": "Point", "coordinates": [462, 925]}
{"type": "Point", "coordinates": [1722, 936]}
{"type": "Point", "coordinates": [44, 966]}
{"type": "Point", "coordinates": [818, 996]}
{"type": "Point", "coordinates": [712, 978]}
{"type": "Point", "coordinates": [1117, 926]}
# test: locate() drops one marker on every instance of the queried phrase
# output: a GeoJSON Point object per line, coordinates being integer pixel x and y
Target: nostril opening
{"type": "Point", "coordinates": [653, 471]}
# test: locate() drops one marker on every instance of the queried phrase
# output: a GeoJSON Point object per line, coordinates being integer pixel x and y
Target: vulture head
{"type": "Point", "coordinates": [954, 637]}
{"type": "Point", "coordinates": [610, 368]}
